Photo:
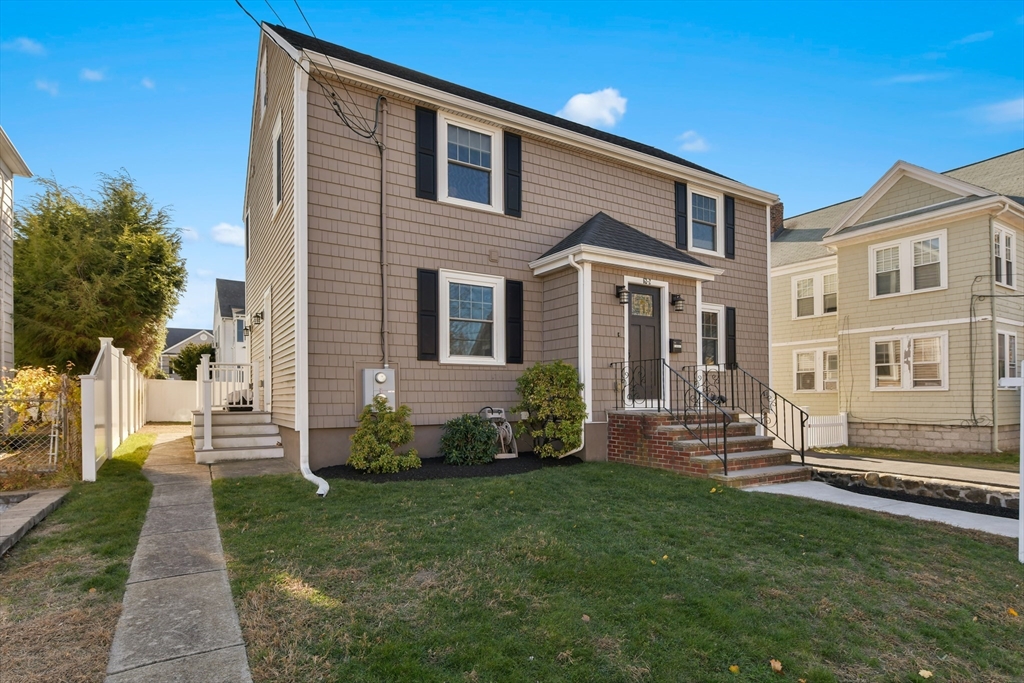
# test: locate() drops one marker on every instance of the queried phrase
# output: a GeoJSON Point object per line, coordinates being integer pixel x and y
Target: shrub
{"type": "Point", "coordinates": [550, 393]}
{"type": "Point", "coordinates": [469, 440]}
{"type": "Point", "coordinates": [381, 431]}
{"type": "Point", "coordinates": [190, 356]}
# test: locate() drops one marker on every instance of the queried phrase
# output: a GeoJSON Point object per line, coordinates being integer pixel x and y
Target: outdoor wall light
{"type": "Point", "coordinates": [622, 293]}
{"type": "Point", "coordinates": [257, 318]}
{"type": "Point", "coordinates": [246, 331]}
{"type": "Point", "coordinates": [678, 303]}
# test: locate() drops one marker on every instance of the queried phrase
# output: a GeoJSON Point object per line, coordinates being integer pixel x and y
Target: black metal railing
{"type": "Point", "coordinates": [736, 388]}
{"type": "Point", "coordinates": [654, 385]}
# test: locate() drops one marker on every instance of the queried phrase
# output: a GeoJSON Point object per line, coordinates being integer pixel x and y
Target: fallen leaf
{"type": "Point", "coordinates": [924, 673]}
{"type": "Point", "coordinates": [1012, 612]}
{"type": "Point", "coordinates": [586, 619]}
{"type": "Point", "coordinates": [92, 590]}
{"type": "Point", "coordinates": [974, 619]}
{"type": "Point", "coordinates": [801, 680]}
{"type": "Point", "coordinates": [664, 557]}
{"type": "Point", "coordinates": [713, 489]}
{"type": "Point", "coordinates": [776, 666]}
{"type": "Point", "coordinates": [734, 669]}
{"type": "Point", "coordinates": [653, 562]}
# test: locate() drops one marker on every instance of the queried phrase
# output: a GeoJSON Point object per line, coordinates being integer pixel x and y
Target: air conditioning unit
{"type": "Point", "coordinates": [379, 381]}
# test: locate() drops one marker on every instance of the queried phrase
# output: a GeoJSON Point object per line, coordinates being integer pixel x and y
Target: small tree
{"type": "Point", "coordinates": [191, 355]}
{"type": "Point", "coordinates": [381, 431]}
{"type": "Point", "coordinates": [550, 393]}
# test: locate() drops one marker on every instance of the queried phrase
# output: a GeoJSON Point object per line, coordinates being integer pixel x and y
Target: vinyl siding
{"type": "Point", "coordinates": [561, 323]}
{"type": "Point", "coordinates": [7, 272]}
{"type": "Point", "coordinates": [907, 194]}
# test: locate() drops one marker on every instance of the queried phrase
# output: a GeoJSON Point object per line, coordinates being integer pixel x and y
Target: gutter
{"type": "Point", "coordinates": [582, 353]}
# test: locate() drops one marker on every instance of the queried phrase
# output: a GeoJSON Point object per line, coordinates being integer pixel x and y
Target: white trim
{"type": "Point", "coordinates": [268, 351]}
{"type": "Point", "coordinates": [768, 286]}
{"type": "Point", "coordinates": [500, 117]}
{"type": "Point", "coordinates": [584, 253]}
{"type": "Point", "coordinates": [1008, 321]}
{"type": "Point", "coordinates": [263, 85]}
{"type": "Point", "coordinates": [999, 228]}
{"type": "Point", "coordinates": [1016, 346]}
{"type": "Point", "coordinates": [699, 351]}
{"type": "Point", "coordinates": [663, 286]}
{"type": "Point", "coordinates": [719, 198]}
{"type": "Point", "coordinates": [915, 326]}
{"type": "Point", "coordinates": [174, 350]}
{"type": "Point", "coordinates": [497, 284]}
{"type": "Point", "coordinates": [818, 342]}
{"type": "Point", "coordinates": [906, 271]}
{"type": "Point", "coordinates": [906, 363]}
{"type": "Point", "coordinates": [278, 133]}
{"type": "Point", "coordinates": [801, 266]}
{"type": "Point", "coordinates": [818, 294]}
{"type": "Point", "coordinates": [11, 158]}
{"type": "Point", "coordinates": [719, 309]}
{"type": "Point", "coordinates": [819, 370]}
{"type": "Point", "coordinates": [585, 312]}
{"type": "Point", "coordinates": [497, 163]}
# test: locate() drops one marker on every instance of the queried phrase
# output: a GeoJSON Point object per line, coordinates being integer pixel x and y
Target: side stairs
{"type": "Point", "coordinates": [243, 435]}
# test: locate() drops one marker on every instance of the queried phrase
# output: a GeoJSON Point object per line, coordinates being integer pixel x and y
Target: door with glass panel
{"type": "Point", "coordinates": [644, 346]}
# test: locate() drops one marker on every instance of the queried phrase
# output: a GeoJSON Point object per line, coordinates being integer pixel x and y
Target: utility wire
{"type": "Point", "coordinates": [274, 11]}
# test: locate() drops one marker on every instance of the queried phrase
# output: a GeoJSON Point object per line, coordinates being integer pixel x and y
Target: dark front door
{"type": "Point", "coordinates": [644, 343]}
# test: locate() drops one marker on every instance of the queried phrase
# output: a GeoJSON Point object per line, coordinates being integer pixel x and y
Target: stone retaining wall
{"type": "Point", "coordinates": [931, 438]}
{"type": "Point", "coordinates": [942, 489]}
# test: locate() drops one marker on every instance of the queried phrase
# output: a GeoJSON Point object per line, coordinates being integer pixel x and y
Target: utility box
{"type": "Point", "coordinates": [379, 381]}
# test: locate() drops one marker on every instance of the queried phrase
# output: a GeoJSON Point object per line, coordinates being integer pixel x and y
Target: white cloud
{"type": "Point", "coordinates": [603, 107]}
{"type": "Point", "coordinates": [1010, 111]}
{"type": "Point", "coordinates": [974, 38]}
{"type": "Point", "coordinates": [47, 86]}
{"type": "Point", "coordinates": [26, 45]}
{"type": "Point", "coordinates": [225, 233]}
{"type": "Point", "coordinates": [92, 75]}
{"type": "Point", "coordinates": [914, 78]}
{"type": "Point", "coordinates": [148, 83]}
{"type": "Point", "coordinates": [203, 272]}
{"type": "Point", "coordinates": [690, 141]}
{"type": "Point", "coordinates": [191, 234]}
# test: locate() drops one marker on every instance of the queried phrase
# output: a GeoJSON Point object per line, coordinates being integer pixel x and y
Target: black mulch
{"type": "Point", "coordinates": [980, 508]}
{"type": "Point", "coordinates": [435, 468]}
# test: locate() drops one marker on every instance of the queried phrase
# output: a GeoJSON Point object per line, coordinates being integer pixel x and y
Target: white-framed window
{"type": "Point", "coordinates": [472, 318]}
{"type": "Point", "coordinates": [917, 362]}
{"type": "Point", "coordinates": [909, 265]}
{"type": "Point", "coordinates": [706, 221]}
{"type": "Point", "coordinates": [239, 330]}
{"type": "Point", "coordinates": [815, 294]}
{"type": "Point", "coordinates": [1007, 349]}
{"type": "Point", "coordinates": [1004, 248]}
{"type": "Point", "coordinates": [277, 136]}
{"type": "Point", "coordinates": [712, 334]}
{"type": "Point", "coordinates": [815, 370]}
{"type": "Point", "coordinates": [470, 165]}
{"type": "Point", "coordinates": [264, 94]}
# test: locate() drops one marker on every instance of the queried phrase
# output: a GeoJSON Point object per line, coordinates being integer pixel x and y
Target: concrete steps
{"type": "Point", "coordinates": [236, 435]}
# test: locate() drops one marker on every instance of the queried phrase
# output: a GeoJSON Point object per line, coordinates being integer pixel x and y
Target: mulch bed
{"type": "Point", "coordinates": [435, 468]}
{"type": "Point", "coordinates": [964, 506]}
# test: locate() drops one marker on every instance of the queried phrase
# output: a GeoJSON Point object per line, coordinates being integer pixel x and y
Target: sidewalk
{"type": "Point", "coordinates": [918, 470]}
{"type": "Point", "coordinates": [179, 621]}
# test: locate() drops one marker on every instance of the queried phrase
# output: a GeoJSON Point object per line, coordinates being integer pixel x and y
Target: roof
{"type": "Point", "coordinates": [303, 42]}
{"type": "Point", "coordinates": [602, 230]}
{"type": "Point", "coordinates": [9, 155]}
{"type": "Point", "coordinates": [176, 335]}
{"type": "Point", "coordinates": [915, 212]}
{"type": "Point", "coordinates": [230, 294]}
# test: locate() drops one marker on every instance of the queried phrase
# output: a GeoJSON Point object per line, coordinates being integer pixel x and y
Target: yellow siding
{"type": "Point", "coordinates": [907, 194]}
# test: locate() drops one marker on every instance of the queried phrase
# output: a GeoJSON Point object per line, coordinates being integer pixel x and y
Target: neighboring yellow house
{"type": "Point", "coordinates": [903, 307]}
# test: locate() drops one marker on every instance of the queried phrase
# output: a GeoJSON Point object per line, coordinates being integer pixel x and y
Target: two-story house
{"type": "Point", "coordinates": [11, 164]}
{"type": "Point", "coordinates": [903, 308]}
{"type": "Point", "coordinates": [444, 239]}
{"type": "Point", "coordinates": [229, 321]}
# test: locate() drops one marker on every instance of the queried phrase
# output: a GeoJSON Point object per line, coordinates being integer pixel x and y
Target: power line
{"type": "Point", "coordinates": [274, 11]}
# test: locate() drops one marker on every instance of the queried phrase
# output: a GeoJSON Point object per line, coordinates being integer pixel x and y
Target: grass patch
{"type": "Point", "coordinates": [61, 586]}
{"type": "Point", "coordinates": [1004, 462]}
{"type": "Point", "coordinates": [606, 572]}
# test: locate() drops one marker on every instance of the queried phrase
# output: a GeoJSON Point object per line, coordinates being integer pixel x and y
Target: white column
{"type": "Point", "coordinates": [106, 370]}
{"type": "Point", "coordinates": [207, 400]}
{"type": "Point", "coordinates": [257, 403]}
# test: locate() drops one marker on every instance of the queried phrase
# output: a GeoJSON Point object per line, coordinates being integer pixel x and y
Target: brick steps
{"type": "Point", "coordinates": [705, 430]}
{"type": "Point", "coordinates": [745, 460]}
{"type": "Point", "coordinates": [779, 474]}
{"type": "Point", "coordinates": [739, 444]}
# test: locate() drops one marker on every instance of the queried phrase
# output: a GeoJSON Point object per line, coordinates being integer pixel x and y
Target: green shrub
{"type": "Point", "coordinates": [469, 440]}
{"type": "Point", "coordinates": [190, 356]}
{"type": "Point", "coordinates": [550, 393]}
{"type": "Point", "coordinates": [381, 431]}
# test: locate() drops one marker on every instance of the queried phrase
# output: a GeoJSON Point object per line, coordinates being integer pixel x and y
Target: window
{"type": "Point", "coordinates": [805, 375]}
{"type": "Point", "coordinates": [710, 337]}
{"type": "Point", "coordinates": [816, 370]}
{"type": "Point", "coordinates": [1004, 253]}
{"type": "Point", "coordinates": [473, 315]}
{"type": "Point", "coordinates": [830, 374]}
{"type": "Point", "coordinates": [814, 295]}
{"type": "Point", "coordinates": [913, 264]}
{"type": "Point", "coordinates": [805, 297]}
{"type": "Point", "coordinates": [239, 330]}
{"type": "Point", "coordinates": [910, 362]}
{"type": "Point", "coordinates": [470, 170]}
{"type": "Point", "coordinates": [1007, 349]}
{"type": "Point", "coordinates": [706, 221]}
{"type": "Point", "coordinates": [829, 293]}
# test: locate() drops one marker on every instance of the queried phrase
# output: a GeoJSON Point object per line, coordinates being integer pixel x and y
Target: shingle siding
{"type": "Point", "coordinates": [907, 194]}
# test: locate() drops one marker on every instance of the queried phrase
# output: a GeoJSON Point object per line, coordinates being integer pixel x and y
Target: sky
{"type": "Point", "coordinates": [812, 101]}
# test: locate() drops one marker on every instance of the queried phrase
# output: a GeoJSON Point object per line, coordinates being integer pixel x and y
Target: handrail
{"type": "Point", "coordinates": [745, 393]}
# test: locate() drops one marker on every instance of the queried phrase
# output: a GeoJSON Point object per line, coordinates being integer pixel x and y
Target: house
{"type": "Point", "coordinates": [177, 339]}
{"type": "Point", "coordinates": [496, 237]}
{"type": "Point", "coordinates": [902, 308]}
{"type": "Point", "coordinates": [229, 321]}
{"type": "Point", "coordinates": [11, 164]}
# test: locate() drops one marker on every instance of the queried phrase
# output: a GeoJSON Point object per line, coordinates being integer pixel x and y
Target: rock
{"type": "Point", "coordinates": [995, 499]}
{"type": "Point", "coordinates": [887, 481]}
{"type": "Point", "coordinates": [975, 495]}
{"type": "Point", "coordinates": [871, 479]}
{"type": "Point", "coordinates": [1012, 503]}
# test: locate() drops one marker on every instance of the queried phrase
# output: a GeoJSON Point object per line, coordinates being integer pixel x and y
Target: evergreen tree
{"type": "Point", "coordinates": [191, 355]}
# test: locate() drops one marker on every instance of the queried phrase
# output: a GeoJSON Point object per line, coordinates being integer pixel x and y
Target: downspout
{"type": "Point", "coordinates": [300, 126]}
{"type": "Point", "coordinates": [582, 352]}
{"type": "Point", "coordinates": [383, 148]}
{"type": "Point", "coordinates": [994, 326]}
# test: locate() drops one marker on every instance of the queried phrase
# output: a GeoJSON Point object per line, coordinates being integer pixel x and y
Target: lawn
{"type": "Point", "coordinates": [61, 585]}
{"type": "Point", "coordinates": [1005, 462]}
{"type": "Point", "coordinates": [605, 572]}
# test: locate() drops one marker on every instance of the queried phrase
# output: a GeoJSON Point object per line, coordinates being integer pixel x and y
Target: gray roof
{"type": "Point", "coordinates": [230, 294]}
{"type": "Point", "coordinates": [1003, 174]}
{"type": "Point", "coordinates": [176, 335]}
{"type": "Point", "coordinates": [914, 212]}
{"type": "Point", "coordinates": [602, 230]}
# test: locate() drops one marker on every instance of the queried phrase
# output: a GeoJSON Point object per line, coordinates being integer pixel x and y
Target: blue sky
{"type": "Point", "coordinates": [812, 101]}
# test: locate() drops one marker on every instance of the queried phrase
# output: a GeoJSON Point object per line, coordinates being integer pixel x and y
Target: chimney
{"type": "Point", "coordinates": [776, 219]}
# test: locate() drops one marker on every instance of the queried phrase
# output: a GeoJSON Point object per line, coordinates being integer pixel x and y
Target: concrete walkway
{"type": "Point", "coordinates": [179, 621]}
{"type": "Point", "coordinates": [918, 470]}
{"type": "Point", "coordinates": [817, 490]}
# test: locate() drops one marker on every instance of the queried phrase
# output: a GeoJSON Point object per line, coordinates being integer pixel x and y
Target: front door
{"type": "Point", "coordinates": [644, 345]}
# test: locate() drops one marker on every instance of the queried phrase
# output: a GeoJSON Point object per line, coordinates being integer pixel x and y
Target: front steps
{"type": "Point", "coordinates": [660, 441]}
{"type": "Point", "coordinates": [239, 435]}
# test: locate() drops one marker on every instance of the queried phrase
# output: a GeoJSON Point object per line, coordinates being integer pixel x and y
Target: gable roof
{"type": "Point", "coordinates": [601, 230]}
{"type": "Point", "coordinates": [9, 155]}
{"type": "Point", "coordinates": [177, 335]}
{"type": "Point", "coordinates": [230, 294]}
{"type": "Point", "coordinates": [301, 41]}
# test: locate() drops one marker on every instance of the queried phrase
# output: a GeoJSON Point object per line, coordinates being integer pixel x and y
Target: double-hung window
{"type": "Point", "coordinates": [829, 293]}
{"type": "Point", "coordinates": [910, 362]}
{"type": "Point", "coordinates": [470, 171]}
{"type": "Point", "coordinates": [711, 338]}
{"type": "Point", "coordinates": [912, 264]}
{"type": "Point", "coordinates": [1007, 350]}
{"type": "Point", "coordinates": [816, 370]}
{"type": "Point", "coordinates": [472, 314]}
{"type": "Point", "coordinates": [706, 217]}
{"type": "Point", "coordinates": [805, 297]}
{"type": "Point", "coordinates": [1004, 246]}
{"type": "Point", "coordinates": [815, 294]}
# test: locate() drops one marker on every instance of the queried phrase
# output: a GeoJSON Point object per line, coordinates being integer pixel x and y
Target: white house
{"type": "Point", "coordinates": [177, 339]}
{"type": "Point", "coordinates": [229, 322]}
{"type": "Point", "coordinates": [11, 164]}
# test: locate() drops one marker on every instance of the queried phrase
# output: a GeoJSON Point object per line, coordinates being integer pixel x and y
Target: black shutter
{"type": "Point", "coordinates": [730, 227]}
{"type": "Point", "coordinates": [730, 336]}
{"type": "Point", "coordinates": [513, 321]}
{"type": "Point", "coordinates": [427, 318]}
{"type": "Point", "coordinates": [513, 176]}
{"type": "Point", "coordinates": [426, 154]}
{"type": "Point", "coordinates": [681, 216]}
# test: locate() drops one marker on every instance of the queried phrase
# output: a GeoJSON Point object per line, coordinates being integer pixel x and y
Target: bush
{"type": "Point", "coordinates": [190, 356]}
{"type": "Point", "coordinates": [381, 431]}
{"type": "Point", "coordinates": [469, 440]}
{"type": "Point", "coordinates": [550, 393]}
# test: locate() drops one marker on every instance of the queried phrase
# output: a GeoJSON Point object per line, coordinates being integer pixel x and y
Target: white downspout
{"type": "Point", "coordinates": [583, 350]}
{"type": "Point", "coordinates": [300, 125]}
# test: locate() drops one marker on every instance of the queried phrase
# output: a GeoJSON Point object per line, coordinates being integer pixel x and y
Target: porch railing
{"type": "Point", "coordinates": [226, 386]}
{"type": "Point", "coordinates": [655, 385]}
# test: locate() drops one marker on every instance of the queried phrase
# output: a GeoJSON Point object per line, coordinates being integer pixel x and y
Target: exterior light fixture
{"type": "Point", "coordinates": [678, 303]}
{"type": "Point", "coordinates": [246, 331]}
{"type": "Point", "coordinates": [257, 318]}
{"type": "Point", "coordinates": [622, 293]}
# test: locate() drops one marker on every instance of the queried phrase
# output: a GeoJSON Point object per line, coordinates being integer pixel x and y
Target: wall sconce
{"type": "Point", "coordinates": [257, 318]}
{"type": "Point", "coordinates": [622, 293]}
{"type": "Point", "coordinates": [246, 331]}
{"type": "Point", "coordinates": [678, 303]}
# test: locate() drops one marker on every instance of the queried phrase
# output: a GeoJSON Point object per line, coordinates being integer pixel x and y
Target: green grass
{"type": "Point", "coordinates": [1005, 462]}
{"type": "Point", "coordinates": [490, 579]}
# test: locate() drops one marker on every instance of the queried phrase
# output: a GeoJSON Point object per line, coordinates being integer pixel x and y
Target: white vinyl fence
{"type": "Point", "coordinates": [827, 431]}
{"type": "Point", "coordinates": [113, 406]}
{"type": "Point", "coordinates": [170, 400]}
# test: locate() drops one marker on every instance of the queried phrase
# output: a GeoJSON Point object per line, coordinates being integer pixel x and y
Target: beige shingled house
{"type": "Point", "coordinates": [903, 308]}
{"type": "Point", "coordinates": [497, 237]}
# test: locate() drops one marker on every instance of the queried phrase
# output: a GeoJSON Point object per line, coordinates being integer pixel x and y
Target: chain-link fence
{"type": "Point", "coordinates": [40, 432]}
